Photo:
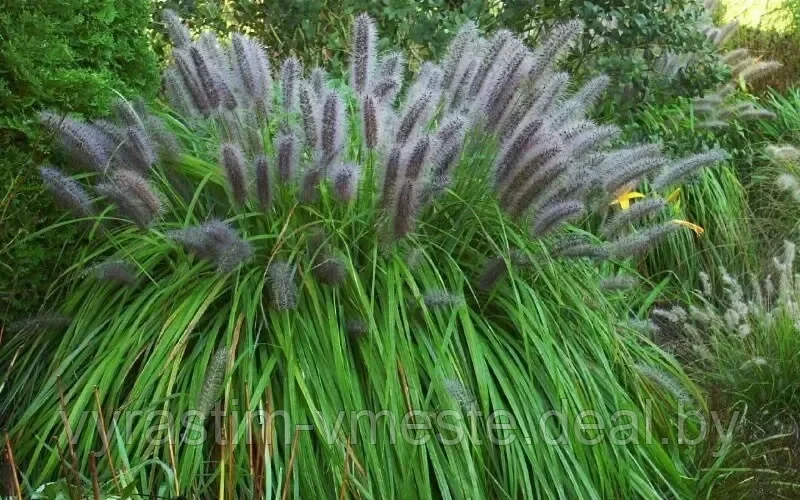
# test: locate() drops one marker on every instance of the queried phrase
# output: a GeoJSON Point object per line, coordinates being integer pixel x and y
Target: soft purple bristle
{"type": "Point", "coordinates": [404, 210]}
{"type": "Point", "coordinates": [333, 127]}
{"type": "Point", "coordinates": [80, 141]}
{"type": "Point", "coordinates": [637, 243]}
{"type": "Point", "coordinates": [319, 79]}
{"type": "Point", "coordinates": [413, 117]}
{"type": "Point", "coordinates": [417, 158]}
{"type": "Point", "coordinates": [185, 65]}
{"type": "Point", "coordinates": [205, 74]}
{"type": "Point", "coordinates": [291, 71]}
{"type": "Point", "coordinates": [126, 203]}
{"type": "Point", "coordinates": [216, 241]}
{"type": "Point", "coordinates": [492, 50]}
{"type": "Point", "coordinates": [177, 31]}
{"type": "Point", "coordinates": [66, 191]}
{"type": "Point", "coordinates": [493, 271]}
{"type": "Point", "coordinates": [555, 215]}
{"type": "Point", "coordinates": [635, 213]}
{"type": "Point", "coordinates": [369, 122]}
{"type": "Point", "coordinates": [309, 186]}
{"type": "Point", "coordinates": [142, 155]}
{"type": "Point", "coordinates": [345, 180]}
{"type": "Point", "coordinates": [362, 64]}
{"type": "Point", "coordinates": [263, 182]}
{"type": "Point", "coordinates": [116, 271]}
{"type": "Point", "coordinates": [555, 44]}
{"type": "Point", "coordinates": [330, 270]}
{"type": "Point", "coordinates": [459, 50]}
{"type": "Point", "coordinates": [287, 155]}
{"type": "Point", "coordinates": [309, 112]}
{"type": "Point", "coordinates": [232, 160]}
{"type": "Point", "coordinates": [283, 290]}
{"type": "Point", "coordinates": [245, 64]}
{"type": "Point", "coordinates": [391, 171]}
{"type": "Point", "coordinates": [131, 182]}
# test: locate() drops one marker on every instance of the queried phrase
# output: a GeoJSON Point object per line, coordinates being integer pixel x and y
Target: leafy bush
{"type": "Point", "coordinates": [308, 246]}
{"type": "Point", "coordinates": [653, 51]}
{"type": "Point", "coordinates": [70, 55]}
{"type": "Point", "coordinates": [318, 31]}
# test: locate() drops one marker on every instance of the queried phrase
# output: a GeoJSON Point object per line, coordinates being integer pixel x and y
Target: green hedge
{"type": "Point", "coordinates": [67, 55]}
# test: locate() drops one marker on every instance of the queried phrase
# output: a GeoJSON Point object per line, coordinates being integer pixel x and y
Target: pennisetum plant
{"type": "Point", "coordinates": [275, 205]}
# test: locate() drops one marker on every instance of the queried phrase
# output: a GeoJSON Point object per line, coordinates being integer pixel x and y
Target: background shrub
{"type": "Point", "coordinates": [69, 55]}
{"type": "Point", "coordinates": [318, 31]}
{"type": "Point", "coordinates": [627, 39]}
{"type": "Point", "coordinates": [768, 44]}
{"type": "Point", "coordinates": [631, 41]}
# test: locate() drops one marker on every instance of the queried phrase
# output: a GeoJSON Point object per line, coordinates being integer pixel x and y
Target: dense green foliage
{"type": "Point", "coordinates": [318, 31]}
{"type": "Point", "coordinates": [630, 41]}
{"type": "Point", "coordinates": [627, 39]}
{"type": "Point", "coordinates": [70, 55]}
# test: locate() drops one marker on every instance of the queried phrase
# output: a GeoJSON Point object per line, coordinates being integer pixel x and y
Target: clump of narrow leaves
{"type": "Point", "coordinates": [263, 180]}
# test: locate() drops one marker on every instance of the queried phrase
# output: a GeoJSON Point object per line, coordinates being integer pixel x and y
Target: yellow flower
{"type": "Point", "coordinates": [694, 227]}
{"type": "Point", "coordinates": [624, 200]}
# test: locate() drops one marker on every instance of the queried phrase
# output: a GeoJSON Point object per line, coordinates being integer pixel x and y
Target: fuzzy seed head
{"type": "Point", "coordinates": [333, 127]}
{"type": "Point", "coordinates": [688, 167]}
{"type": "Point", "coordinates": [331, 270]}
{"type": "Point", "coordinates": [369, 121]}
{"type": "Point", "coordinates": [212, 384]}
{"type": "Point", "coordinates": [441, 299]}
{"type": "Point", "coordinates": [291, 71]}
{"type": "Point", "coordinates": [67, 192]}
{"type": "Point", "coordinates": [404, 211]}
{"type": "Point", "coordinates": [177, 31]}
{"type": "Point", "coordinates": [309, 113]}
{"type": "Point", "coordinates": [82, 142]}
{"type": "Point", "coordinates": [263, 182]}
{"type": "Point", "coordinates": [283, 291]}
{"type": "Point", "coordinates": [346, 178]}
{"type": "Point", "coordinates": [319, 79]}
{"type": "Point", "coordinates": [48, 321]}
{"type": "Point", "coordinates": [637, 243]}
{"type": "Point", "coordinates": [138, 187]}
{"type": "Point", "coordinates": [637, 212]}
{"type": "Point", "coordinates": [115, 271]}
{"type": "Point", "coordinates": [461, 394]}
{"type": "Point", "coordinates": [617, 283]}
{"type": "Point", "coordinates": [555, 215]}
{"type": "Point", "coordinates": [362, 64]}
{"type": "Point", "coordinates": [232, 160]}
{"type": "Point", "coordinates": [287, 152]}
{"type": "Point", "coordinates": [215, 241]}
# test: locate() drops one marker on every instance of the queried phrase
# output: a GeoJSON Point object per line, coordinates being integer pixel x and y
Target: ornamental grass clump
{"type": "Point", "coordinates": [739, 336]}
{"type": "Point", "coordinates": [347, 247]}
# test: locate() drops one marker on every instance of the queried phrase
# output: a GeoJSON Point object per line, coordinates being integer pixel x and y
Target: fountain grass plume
{"type": "Point", "coordinates": [66, 191]}
{"type": "Point", "coordinates": [283, 290]}
{"type": "Point", "coordinates": [233, 161]}
{"type": "Point", "coordinates": [363, 57]}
